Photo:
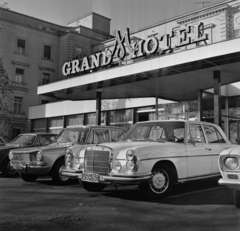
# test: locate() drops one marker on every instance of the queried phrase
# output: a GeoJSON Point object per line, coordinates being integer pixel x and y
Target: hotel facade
{"type": "Point", "coordinates": [187, 67]}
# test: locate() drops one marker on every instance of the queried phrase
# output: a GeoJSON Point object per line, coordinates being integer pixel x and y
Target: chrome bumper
{"type": "Point", "coordinates": [70, 173]}
{"type": "Point", "coordinates": [121, 179]}
{"type": "Point", "coordinates": [31, 169]}
{"type": "Point", "coordinates": [233, 184]}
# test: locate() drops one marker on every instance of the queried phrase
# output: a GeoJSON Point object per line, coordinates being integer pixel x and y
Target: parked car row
{"type": "Point", "coordinates": [155, 155]}
{"type": "Point", "coordinates": [48, 160]}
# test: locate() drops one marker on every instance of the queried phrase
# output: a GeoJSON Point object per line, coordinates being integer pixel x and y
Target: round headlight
{"type": "Point", "coordinates": [130, 165]}
{"type": "Point", "coordinates": [39, 155]}
{"type": "Point", "coordinates": [130, 154]}
{"type": "Point", "coordinates": [231, 163]}
{"type": "Point", "coordinates": [69, 152]}
{"type": "Point", "coordinates": [116, 165]}
{"type": "Point", "coordinates": [10, 155]}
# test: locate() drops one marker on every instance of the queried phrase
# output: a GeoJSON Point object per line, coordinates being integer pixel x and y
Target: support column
{"type": "Point", "coordinates": [47, 125]}
{"type": "Point", "coordinates": [217, 97]}
{"type": "Point", "coordinates": [64, 121]}
{"type": "Point", "coordinates": [200, 102]}
{"type": "Point", "coordinates": [98, 108]}
{"type": "Point", "coordinates": [135, 118]}
{"type": "Point", "coordinates": [156, 112]}
{"type": "Point", "coordinates": [226, 121]}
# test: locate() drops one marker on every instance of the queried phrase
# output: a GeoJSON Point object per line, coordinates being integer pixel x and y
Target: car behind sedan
{"type": "Point", "coordinates": [49, 161]}
{"type": "Point", "coordinates": [229, 166]}
{"type": "Point", "coordinates": [21, 141]}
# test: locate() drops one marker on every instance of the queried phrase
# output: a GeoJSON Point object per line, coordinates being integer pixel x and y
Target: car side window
{"type": "Point", "coordinates": [212, 134]}
{"type": "Point", "coordinates": [42, 141]}
{"type": "Point", "coordinates": [178, 135]}
{"type": "Point", "coordinates": [116, 135]}
{"type": "Point", "coordinates": [196, 134]}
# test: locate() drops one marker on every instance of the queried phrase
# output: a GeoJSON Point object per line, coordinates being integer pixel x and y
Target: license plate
{"type": "Point", "coordinates": [17, 166]}
{"type": "Point", "coordinates": [91, 177]}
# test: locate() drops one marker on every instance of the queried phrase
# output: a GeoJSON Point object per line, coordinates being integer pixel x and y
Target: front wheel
{"type": "Point", "coordinates": [159, 185]}
{"type": "Point", "coordinates": [56, 173]}
{"type": "Point", "coordinates": [29, 177]}
{"type": "Point", "coordinates": [236, 197]}
{"type": "Point", "coordinates": [92, 187]}
{"type": "Point", "coordinates": [7, 169]}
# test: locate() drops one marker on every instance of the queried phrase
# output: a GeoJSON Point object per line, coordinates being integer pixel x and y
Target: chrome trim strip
{"type": "Point", "coordinates": [198, 177]}
{"type": "Point", "coordinates": [171, 157]}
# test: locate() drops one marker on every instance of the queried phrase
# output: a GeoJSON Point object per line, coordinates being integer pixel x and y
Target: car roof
{"type": "Point", "coordinates": [39, 133]}
{"type": "Point", "coordinates": [184, 121]}
{"type": "Point", "coordinates": [93, 126]}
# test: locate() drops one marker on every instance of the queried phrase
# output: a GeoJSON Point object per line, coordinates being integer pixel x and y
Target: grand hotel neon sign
{"type": "Point", "coordinates": [123, 45]}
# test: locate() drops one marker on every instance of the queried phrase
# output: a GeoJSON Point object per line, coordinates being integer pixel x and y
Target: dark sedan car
{"type": "Point", "coordinates": [21, 141]}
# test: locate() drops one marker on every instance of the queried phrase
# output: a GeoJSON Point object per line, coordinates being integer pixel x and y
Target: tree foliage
{"type": "Point", "coordinates": [6, 104]}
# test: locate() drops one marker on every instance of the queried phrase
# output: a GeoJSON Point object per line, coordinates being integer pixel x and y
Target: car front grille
{"type": "Point", "coordinates": [97, 160]}
{"type": "Point", "coordinates": [24, 157]}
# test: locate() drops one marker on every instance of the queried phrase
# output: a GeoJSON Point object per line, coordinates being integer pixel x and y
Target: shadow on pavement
{"type": "Point", "coordinates": [191, 193]}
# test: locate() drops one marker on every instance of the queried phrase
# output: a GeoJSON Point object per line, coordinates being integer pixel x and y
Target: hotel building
{"type": "Point", "coordinates": [186, 67]}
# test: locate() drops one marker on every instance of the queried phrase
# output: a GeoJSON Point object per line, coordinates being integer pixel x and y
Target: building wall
{"type": "Point", "coordinates": [37, 33]}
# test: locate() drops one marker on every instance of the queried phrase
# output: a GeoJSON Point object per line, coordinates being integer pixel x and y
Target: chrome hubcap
{"type": "Point", "coordinates": [63, 178]}
{"type": "Point", "coordinates": [159, 181]}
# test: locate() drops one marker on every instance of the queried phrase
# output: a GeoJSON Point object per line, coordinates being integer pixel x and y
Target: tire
{"type": "Point", "coordinates": [56, 173]}
{"type": "Point", "coordinates": [236, 198]}
{"type": "Point", "coordinates": [7, 170]}
{"type": "Point", "coordinates": [29, 177]}
{"type": "Point", "coordinates": [160, 183]}
{"type": "Point", "coordinates": [92, 187]}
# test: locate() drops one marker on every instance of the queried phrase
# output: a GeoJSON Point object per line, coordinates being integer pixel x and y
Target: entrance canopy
{"type": "Point", "coordinates": [176, 76]}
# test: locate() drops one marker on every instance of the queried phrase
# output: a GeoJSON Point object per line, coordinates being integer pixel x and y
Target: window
{"type": "Point", "coordinates": [47, 52]}
{"type": "Point", "coordinates": [17, 105]}
{"type": "Point", "coordinates": [45, 78]}
{"type": "Point", "coordinates": [45, 140]}
{"type": "Point", "coordinates": [78, 52]}
{"type": "Point", "coordinates": [99, 136]}
{"type": "Point", "coordinates": [237, 33]}
{"type": "Point", "coordinates": [213, 136]}
{"type": "Point", "coordinates": [21, 46]}
{"type": "Point", "coordinates": [117, 135]}
{"type": "Point", "coordinates": [19, 75]}
{"type": "Point", "coordinates": [196, 134]}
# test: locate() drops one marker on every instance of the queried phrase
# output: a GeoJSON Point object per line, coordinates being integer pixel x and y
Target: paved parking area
{"type": "Point", "coordinates": [199, 205]}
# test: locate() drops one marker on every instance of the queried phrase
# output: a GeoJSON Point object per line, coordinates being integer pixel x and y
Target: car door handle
{"type": "Point", "coordinates": [227, 147]}
{"type": "Point", "coordinates": [209, 149]}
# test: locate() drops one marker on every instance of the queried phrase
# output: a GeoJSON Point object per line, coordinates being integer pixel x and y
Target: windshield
{"type": "Point", "coordinates": [159, 131]}
{"type": "Point", "coordinates": [24, 140]}
{"type": "Point", "coordinates": [72, 135]}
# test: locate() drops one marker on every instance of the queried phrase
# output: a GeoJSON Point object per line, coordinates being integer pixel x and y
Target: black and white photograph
{"type": "Point", "coordinates": [119, 115]}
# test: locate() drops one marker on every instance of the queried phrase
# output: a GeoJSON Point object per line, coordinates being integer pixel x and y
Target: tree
{"type": "Point", "coordinates": [6, 104]}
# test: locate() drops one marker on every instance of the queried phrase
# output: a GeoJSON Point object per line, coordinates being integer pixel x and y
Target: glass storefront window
{"type": "Point", "coordinates": [56, 125]}
{"type": "Point", "coordinates": [121, 116]}
{"type": "Point", "coordinates": [75, 120]}
{"type": "Point", "coordinates": [39, 125]}
{"type": "Point", "coordinates": [91, 119]}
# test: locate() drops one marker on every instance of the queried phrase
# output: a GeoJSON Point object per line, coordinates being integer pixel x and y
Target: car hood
{"type": "Point", "coordinates": [141, 148]}
{"type": "Point", "coordinates": [231, 151]}
{"type": "Point", "coordinates": [49, 148]}
{"type": "Point", "coordinates": [9, 146]}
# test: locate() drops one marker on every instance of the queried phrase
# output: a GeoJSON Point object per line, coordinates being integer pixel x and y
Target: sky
{"type": "Point", "coordinates": [134, 14]}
